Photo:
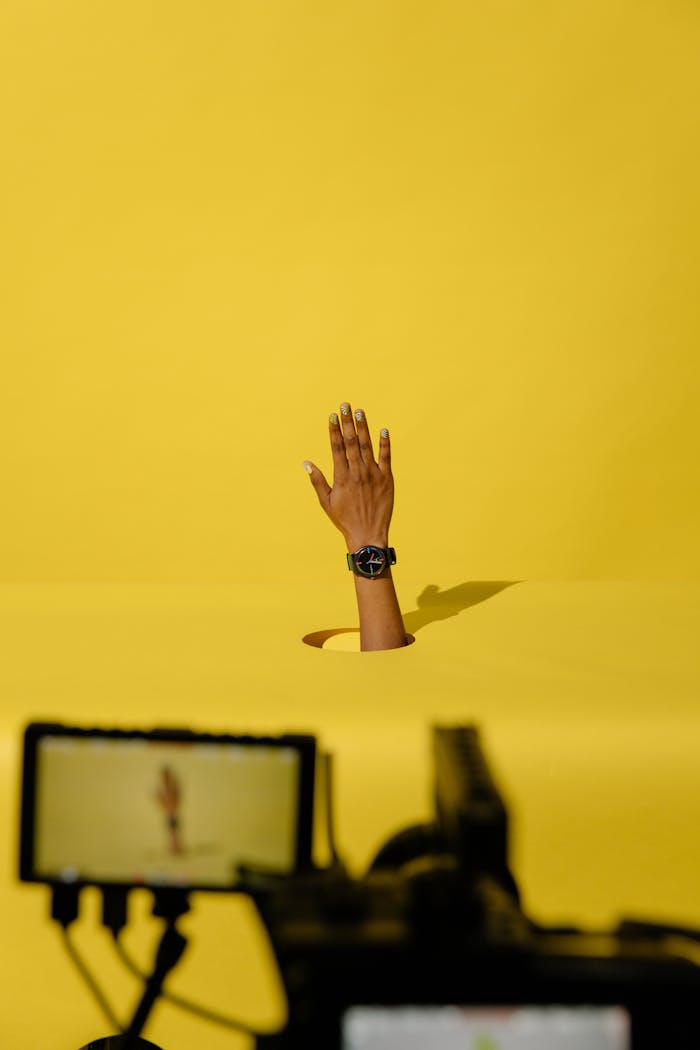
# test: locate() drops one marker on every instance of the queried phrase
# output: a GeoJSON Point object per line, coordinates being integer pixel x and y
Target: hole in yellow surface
{"type": "Point", "coordinates": [340, 639]}
{"type": "Point", "coordinates": [433, 604]}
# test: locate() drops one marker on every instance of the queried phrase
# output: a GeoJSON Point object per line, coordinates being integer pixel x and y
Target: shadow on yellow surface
{"type": "Point", "coordinates": [433, 604]}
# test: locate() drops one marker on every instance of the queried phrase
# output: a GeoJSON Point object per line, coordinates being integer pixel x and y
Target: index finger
{"type": "Point", "coordinates": [384, 461]}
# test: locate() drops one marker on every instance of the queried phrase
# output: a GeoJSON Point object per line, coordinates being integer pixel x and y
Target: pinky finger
{"type": "Point", "coordinates": [384, 457]}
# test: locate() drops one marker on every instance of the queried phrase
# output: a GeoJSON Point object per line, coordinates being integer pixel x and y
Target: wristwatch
{"type": "Point", "coordinates": [371, 561]}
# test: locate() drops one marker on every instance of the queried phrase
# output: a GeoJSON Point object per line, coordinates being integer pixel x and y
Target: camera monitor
{"type": "Point", "coordinates": [163, 808]}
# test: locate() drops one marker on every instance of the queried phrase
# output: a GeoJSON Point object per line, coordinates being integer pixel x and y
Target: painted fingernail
{"type": "Point", "coordinates": [333, 418]}
{"type": "Point", "coordinates": [307, 467]}
{"type": "Point", "coordinates": [384, 432]}
{"type": "Point", "coordinates": [345, 408]}
{"type": "Point", "coordinates": [359, 415]}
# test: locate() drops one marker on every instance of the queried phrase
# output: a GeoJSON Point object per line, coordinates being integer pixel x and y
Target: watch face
{"type": "Point", "coordinates": [370, 561]}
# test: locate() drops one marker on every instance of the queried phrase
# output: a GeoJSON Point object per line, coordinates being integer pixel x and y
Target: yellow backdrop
{"type": "Point", "coordinates": [480, 221]}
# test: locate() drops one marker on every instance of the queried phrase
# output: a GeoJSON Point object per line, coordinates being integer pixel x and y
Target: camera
{"type": "Point", "coordinates": [431, 948]}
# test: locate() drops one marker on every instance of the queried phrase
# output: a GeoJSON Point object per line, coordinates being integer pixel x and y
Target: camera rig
{"type": "Point", "coordinates": [437, 920]}
{"type": "Point", "coordinates": [435, 925]}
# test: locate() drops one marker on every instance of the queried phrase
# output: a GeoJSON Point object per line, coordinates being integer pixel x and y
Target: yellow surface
{"type": "Point", "coordinates": [481, 222]}
{"type": "Point", "coordinates": [586, 694]}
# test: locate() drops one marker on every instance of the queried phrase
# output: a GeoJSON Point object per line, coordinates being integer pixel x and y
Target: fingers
{"type": "Point", "coordinates": [340, 463]}
{"type": "Point", "coordinates": [384, 458]}
{"type": "Point", "coordinates": [323, 489]}
{"type": "Point", "coordinates": [352, 445]}
{"type": "Point", "coordinates": [363, 438]}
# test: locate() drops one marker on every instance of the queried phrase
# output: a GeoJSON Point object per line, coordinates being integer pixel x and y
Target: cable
{"type": "Point", "coordinates": [90, 980]}
{"type": "Point", "coordinates": [187, 1004]}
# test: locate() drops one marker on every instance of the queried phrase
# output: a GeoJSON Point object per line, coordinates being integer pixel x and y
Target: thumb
{"type": "Point", "coordinates": [323, 489]}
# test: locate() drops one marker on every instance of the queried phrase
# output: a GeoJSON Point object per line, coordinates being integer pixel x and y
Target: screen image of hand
{"type": "Point", "coordinates": [360, 504]}
{"type": "Point", "coordinates": [168, 798]}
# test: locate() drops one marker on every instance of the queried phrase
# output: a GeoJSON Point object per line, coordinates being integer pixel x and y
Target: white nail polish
{"type": "Point", "coordinates": [307, 467]}
{"type": "Point", "coordinates": [384, 432]}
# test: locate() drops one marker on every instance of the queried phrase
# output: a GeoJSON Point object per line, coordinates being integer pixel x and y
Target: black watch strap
{"type": "Point", "coordinates": [371, 561]}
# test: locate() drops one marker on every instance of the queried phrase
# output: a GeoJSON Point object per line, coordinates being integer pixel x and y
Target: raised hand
{"type": "Point", "coordinates": [360, 504]}
{"type": "Point", "coordinates": [361, 501]}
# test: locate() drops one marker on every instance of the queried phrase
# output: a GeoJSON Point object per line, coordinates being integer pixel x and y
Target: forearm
{"type": "Point", "coordinates": [381, 623]}
{"type": "Point", "coordinates": [360, 504]}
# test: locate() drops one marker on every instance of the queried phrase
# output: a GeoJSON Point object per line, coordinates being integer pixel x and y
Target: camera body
{"type": "Point", "coordinates": [432, 947]}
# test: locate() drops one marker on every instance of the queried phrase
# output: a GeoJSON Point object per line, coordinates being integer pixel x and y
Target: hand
{"type": "Point", "coordinates": [362, 498]}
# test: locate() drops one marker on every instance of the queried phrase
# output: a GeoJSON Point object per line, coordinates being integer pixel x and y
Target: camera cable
{"type": "Point", "coordinates": [64, 909]}
{"type": "Point", "coordinates": [114, 918]}
{"type": "Point", "coordinates": [86, 974]}
{"type": "Point", "coordinates": [178, 1000]}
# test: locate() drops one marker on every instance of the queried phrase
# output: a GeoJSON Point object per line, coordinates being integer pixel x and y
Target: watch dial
{"type": "Point", "coordinates": [370, 561]}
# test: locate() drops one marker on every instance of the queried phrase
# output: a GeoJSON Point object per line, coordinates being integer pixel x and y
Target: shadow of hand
{"type": "Point", "coordinates": [434, 604]}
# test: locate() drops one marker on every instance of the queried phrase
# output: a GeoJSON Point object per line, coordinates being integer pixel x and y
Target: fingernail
{"type": "Point", "coordinates": [333, 418]}
{"type": "Point", "coordinates": [359, 415]}
{"type": "Point", "coordinates": [345, 408]}
{"type": "Point", "coordinates": [307, 467]}
{"type": "Point", "coordinates": [384, 432]}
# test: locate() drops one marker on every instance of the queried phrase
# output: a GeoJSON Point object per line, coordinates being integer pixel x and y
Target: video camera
{"type": "Point", "coordinates": [430, 949]}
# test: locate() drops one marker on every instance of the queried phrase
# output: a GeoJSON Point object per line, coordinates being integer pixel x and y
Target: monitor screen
{"type": "Point", "coordinates": [162, 809]}
{"type": "Point", "coordinates": [486, 1028]}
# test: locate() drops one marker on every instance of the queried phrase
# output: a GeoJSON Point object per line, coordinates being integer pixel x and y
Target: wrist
{"type": "Point", "coordinates": [355, 542]}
